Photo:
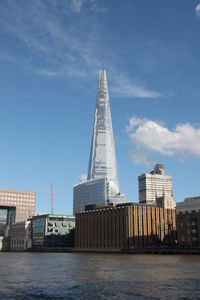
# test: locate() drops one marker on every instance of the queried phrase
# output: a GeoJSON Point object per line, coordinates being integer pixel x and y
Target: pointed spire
{"type": "Point", "coordinates": [102, 161]}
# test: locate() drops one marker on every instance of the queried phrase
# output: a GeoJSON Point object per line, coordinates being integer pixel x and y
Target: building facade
{"type": "Point", "coordinates": [51, 230]}
{"type": "Point", "coordinates": [188, 222]}
{"type": "Point", "coordinates": [124, 226]}
{"type": "Point", "coordinates": [156, 188]}
{"type": "Point", "coordinates": [92, 191]}
{"type": "Point", "coordinates": [7, 218]}
{"type": "Point", "coordinates": [89, 192]}
{"type": "Point", "coordinates": [24, 202]}
{"type": "Point", "coordinates": [20, 236]}
{"type": "Point", "coordinates": [102, 162]}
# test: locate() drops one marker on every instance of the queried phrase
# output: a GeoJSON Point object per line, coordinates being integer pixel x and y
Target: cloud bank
{"type": "Point", "coordinates": [151, 137]}
{"type": "Point", "coordinates": [198, 10]}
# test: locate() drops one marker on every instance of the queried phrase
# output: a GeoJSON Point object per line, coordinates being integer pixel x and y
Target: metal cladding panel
{"type": "Point", "coordinates": [102, 161]}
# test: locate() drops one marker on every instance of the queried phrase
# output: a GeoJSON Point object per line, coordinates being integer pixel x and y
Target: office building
{"type": "Point", "coordinates": [51, 230]}
{"type": "Point", "coordinates": [102, 162]}
{"type": "Point", "coordinates": [94, 191]}
{"type": "Point", "coordinates": [24, 203]}
{"type": "Point", "coordinates": [20, 236]}
{"type": "Point", "coordinates": [156, 188]}
{"type": "Point", "coordinates": [188, 222]}
{"type": "Point", "coordinates": [7, 218]}
{"type": "Point", "coordinates": [124, 226]}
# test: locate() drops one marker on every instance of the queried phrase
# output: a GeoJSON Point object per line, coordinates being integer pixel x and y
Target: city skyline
{"type": "Point", "coordinates": [49, 60]}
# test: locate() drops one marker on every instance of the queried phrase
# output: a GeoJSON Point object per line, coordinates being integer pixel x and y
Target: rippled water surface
{"type": "Point", "coordinates": [98, 276]}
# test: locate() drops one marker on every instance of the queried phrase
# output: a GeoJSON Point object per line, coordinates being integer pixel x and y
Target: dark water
{"type": "Point", "coordinates": [97, 276]}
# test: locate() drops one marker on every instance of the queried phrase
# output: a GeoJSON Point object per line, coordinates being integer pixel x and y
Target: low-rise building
{"type": "Point", "coordinates": [20, 236]}
{"type": "Point", "coordinates": [124, 226]}
{"type": "Point", "coordinates": [188, 222]}
{"type": "Point", "coordinates": [51, 230]}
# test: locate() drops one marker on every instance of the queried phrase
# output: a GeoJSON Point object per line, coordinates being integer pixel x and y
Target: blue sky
{"type": "Point", "coordinates": [50, 53]}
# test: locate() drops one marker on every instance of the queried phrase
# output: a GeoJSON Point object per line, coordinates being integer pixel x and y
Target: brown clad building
{"type": "Point", "coordinates": [124, 226]}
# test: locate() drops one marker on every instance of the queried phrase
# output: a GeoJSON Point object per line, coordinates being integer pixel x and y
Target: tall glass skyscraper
{"type": "Point", "coordinates": [102, 162]}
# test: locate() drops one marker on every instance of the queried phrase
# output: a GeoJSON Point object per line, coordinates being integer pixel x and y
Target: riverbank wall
{"type": "Point", "coordinates": [163, 251]}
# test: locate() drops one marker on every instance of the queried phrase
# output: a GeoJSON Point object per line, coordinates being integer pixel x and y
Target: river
{"type": "Point", "coordinates": [98, 276]}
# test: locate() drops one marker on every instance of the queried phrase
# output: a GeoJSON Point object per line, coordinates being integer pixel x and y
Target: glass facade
{"type": "Point", "coordinates": [102, 161]}
{"type": "Point", "coordinates": [102, 182]}
{"type": "Point", "coordinates": [3, 220]}
{"type": "Point", "coordinates": [7, 217]}
{"type": "Point", "coordinates": [51, 230]}
{"type": "Point", "coordinates": [90, 192]}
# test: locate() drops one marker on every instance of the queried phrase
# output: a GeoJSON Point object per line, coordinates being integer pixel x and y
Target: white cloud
{"type": "Point", "coordinates": [123, 87]}
{"type": "Point", "coordinates": [76, 5]}
{"type": "Point", "coordinates": [140, 157]}
{"type": "Point", "coordinates": [83, 177]}
{"type": "Point", "coordinates": [47, 72]}
{"type": "Point", "coordinates": [153, 137]}
{"type": "Point", "coordinates": [198, 10]}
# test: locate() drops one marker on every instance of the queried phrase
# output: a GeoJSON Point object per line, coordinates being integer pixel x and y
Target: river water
{"type": "Point", "coordinates": [98, 276]}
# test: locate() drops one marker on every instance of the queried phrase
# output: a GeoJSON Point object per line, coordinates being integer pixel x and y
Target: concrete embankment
{"type": "Point", "coordinates": [52, 249]}
{"type": "Point", "coordinates": [164, 251]}
{"type": "Point", "coordinates": [168, 251]}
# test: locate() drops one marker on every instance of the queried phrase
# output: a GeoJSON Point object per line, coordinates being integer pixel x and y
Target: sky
{"type": "Point", "coordinates": [50, 54]}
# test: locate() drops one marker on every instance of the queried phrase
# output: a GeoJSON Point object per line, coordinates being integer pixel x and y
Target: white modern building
{"type": "Point", "coordinates": [102, 185]}
{"type": "Point", "coordinates": [156, 188]}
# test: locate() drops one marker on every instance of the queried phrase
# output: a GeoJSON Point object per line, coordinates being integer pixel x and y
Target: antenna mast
{"type": "Point", "coordinates": [51, 198]}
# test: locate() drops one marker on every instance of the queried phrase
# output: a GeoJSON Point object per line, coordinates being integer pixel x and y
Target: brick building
{"type": "Point", "coordinates": [188, 222]}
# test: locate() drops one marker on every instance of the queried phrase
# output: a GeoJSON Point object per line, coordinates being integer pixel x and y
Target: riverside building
{"type": "Point", "coordinates": [188, 221]}
{"type": "Point", "coordinates": [102, 185]}
{"type": "Point", "coordinates": [124, 226]}
{"type": "Point", "coordinates": [20, 236]}
{"type": "Point", "coordinates": [23, 202]}
{"type": "Point", "coordinates": [156, 188]}
{"type": "Point", "coordinates": [51, 230]}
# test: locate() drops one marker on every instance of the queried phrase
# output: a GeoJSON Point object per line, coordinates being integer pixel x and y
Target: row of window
{"type": "Point", "coordinates": [17, 195]}
{"type": "Point", "coordinates": [15, 199]}
{"type": "Point", "coordinates": [18, 248]}
{"type": "Point", "coordinates": [189, 224]}
{"type": "Point", "coordinates": [17, 242]}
